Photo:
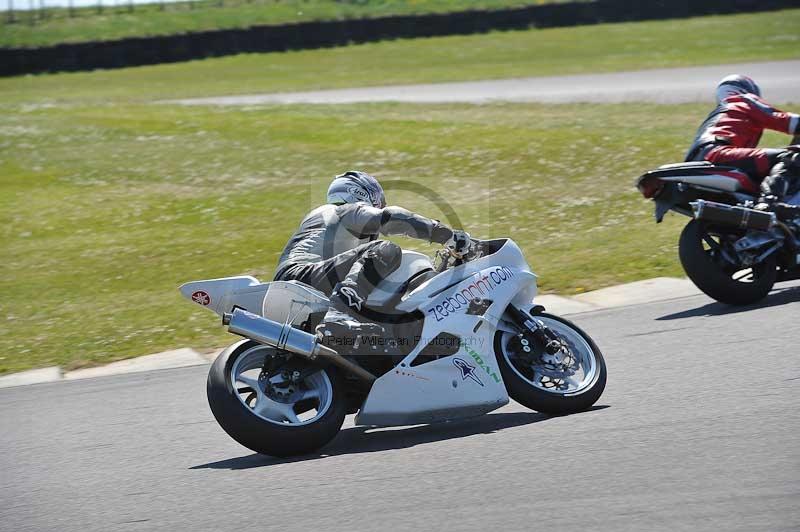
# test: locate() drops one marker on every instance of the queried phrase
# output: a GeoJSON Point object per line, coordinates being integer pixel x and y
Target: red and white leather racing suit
{"type": "Point", "coordinates": [730, 135]}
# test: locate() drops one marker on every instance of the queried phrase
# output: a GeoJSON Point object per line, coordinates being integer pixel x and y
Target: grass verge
{"type": "Point", "coordinates": [105, 211]}
{"type": "Point", "coordinates": [601, 48]}
{"type": "Point", "coordinates": [107, 203]}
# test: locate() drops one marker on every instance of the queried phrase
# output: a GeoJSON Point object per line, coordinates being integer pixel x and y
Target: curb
{"type": "Point", "coordinates": [622, 295]}
{"type": "Point", "coordinates": [636, 293]}
{"type": "Point", "coordinates": [640, 292]}
{"type": "Point", "coordinates": [176, 358]}
{"type": "Point", "coordinates": [33, 376]}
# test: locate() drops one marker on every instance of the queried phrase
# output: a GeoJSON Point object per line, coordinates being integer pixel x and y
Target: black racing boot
{"type": "Point", "coordinates": [784, 211]}
{"type": "Point", "coordinates": [782, 182]}
{"type": "Point", "coordinates": [343, 317]}
{"type": "Point", "coordinates": [346, 297]}
{"type": "Point", "coordinates": [765, 202]}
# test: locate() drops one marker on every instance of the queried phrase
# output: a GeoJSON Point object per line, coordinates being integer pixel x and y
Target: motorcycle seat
{"type": "Point", "coordinates": [727, 178]}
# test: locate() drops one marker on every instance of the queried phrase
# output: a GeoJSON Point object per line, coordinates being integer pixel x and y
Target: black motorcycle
{"type": "Point", "coordinates": [732, 252]}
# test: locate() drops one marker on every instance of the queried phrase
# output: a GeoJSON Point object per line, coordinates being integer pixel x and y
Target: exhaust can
{"type": "Point", "coordinates": [286, 337]}
{"type": "Point", "coordinates": [733, 215]}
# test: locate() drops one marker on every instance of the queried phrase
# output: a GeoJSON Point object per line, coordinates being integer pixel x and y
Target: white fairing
{"type": "Point", "coordinates": [292, 302]}
{"type": "Point", "coordinates": [281, 301]}
{"type": "Point", "coordinates": [467, 383]}
{"type": "Point", "coordinates": [411, 264]}
{"type": "Point", "coordinates": [467, 302]}
{"type": "Point", "coordinates": [218, 295]}
{"type": "Point", "coordinates": [719, 182]}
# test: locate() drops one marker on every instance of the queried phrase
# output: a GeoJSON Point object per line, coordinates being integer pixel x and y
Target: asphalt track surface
{"type": "Point", "coordinates": [779, 80]}
{"type": "Point", "coordinates": [699, 429]}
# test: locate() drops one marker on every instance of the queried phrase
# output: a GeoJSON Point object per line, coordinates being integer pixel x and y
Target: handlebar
{"type": "Point", "coordinates": [447, 255]}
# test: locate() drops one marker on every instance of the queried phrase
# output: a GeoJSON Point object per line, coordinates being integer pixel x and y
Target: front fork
{"type": "Point", "coordinates": [552, 343]}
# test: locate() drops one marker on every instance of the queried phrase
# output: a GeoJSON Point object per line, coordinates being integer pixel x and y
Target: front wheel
{"type": "Point", "coordinates": [708, 258]}
{"type": "Point", "coordinates": [274, 403]}
{"type": "Point", "coordinates": [571, 380]}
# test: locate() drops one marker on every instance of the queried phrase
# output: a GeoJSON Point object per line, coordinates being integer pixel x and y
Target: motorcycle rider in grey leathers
{"type": "Point", "coordinates": [336, 249]}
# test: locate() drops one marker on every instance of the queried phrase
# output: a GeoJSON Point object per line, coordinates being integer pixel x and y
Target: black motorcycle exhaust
{"type": "Point", "coordinates": [286, 337]}
{"type": "Point", "coordinates": [729, 215]}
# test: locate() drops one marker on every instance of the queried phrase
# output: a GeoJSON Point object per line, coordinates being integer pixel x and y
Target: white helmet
{"type": "Point", "coordinates": [736, 84]}
{"type": "Point", "coordinates": [355, 187]}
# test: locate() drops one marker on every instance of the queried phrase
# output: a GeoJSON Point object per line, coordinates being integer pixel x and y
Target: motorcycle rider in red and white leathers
{"type": "Point", "coordinates": [729, 136]}
{"type": "Point", "coordinates": [336, 248]}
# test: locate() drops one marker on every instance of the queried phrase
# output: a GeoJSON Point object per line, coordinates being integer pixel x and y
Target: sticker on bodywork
{"type": "Point", "coordinates": [467, 370]}
{"type": "Point", "coordinates": [481, 285]}
{"type": "Point", "coordinates": [480, 362]}
{"type": "Point", "coordinates": [201, 298]}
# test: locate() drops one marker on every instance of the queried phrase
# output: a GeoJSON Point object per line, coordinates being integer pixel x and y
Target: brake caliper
{"type": "Point", "coordinates": [555, 350]}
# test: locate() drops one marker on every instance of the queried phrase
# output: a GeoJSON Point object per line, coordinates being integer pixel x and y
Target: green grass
{"type": "Point", "coordinates": [601, 48]}
{"type": "Point", "coordinates": [55, 26]}
{"type": "Point", "coordinates": [105, 211]}
{"type": "Point", "coordinates": [108, 202]}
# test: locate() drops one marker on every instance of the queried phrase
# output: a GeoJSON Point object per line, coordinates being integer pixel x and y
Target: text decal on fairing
{"type": "Point", "coordinates": [484, 285]}
{"type": "Point", "coordinates": [480, 362]}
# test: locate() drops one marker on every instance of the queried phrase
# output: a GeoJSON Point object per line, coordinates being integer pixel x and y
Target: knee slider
{"type": "Point", "coordinates": [776, 182]}
{"type": "Point", "coordinates": [385, 256]}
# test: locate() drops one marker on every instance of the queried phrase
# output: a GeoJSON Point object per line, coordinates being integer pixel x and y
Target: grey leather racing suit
{"type": "Point", "coordinates": [338, 245]}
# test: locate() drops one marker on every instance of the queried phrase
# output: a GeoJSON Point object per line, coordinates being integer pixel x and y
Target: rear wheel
{"type": "Point", "coordinates": [569, 381]}
{"type": "Point", "coordinates": [273, 403]}
{"type": "Point", "coordinates": [708, 258]}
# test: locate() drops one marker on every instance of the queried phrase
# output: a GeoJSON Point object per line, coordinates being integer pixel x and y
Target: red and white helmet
{"type": "Point", "coordinates": [736, 84]}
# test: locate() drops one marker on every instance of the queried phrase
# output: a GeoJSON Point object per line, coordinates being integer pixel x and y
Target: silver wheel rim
{"type": "Point", "coordinates": [580, 374]}
{"type": "Point", "coordinates": [302, 403]}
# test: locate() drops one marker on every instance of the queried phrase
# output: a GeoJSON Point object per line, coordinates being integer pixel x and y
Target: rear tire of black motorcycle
{"type": "Point", "coordinates": [714, 282]}
{"type": "Point", "coordinates": [549, 403]}
{"type": "Point", "coordinates": [241, 424]}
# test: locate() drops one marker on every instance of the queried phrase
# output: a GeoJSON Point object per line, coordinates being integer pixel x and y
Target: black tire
{"type": "Point", "coordinates": [525, 393]}
{"type": "Point", "coordinates": [257, 434]}
{"type": "Point", "coordinates": [710, 277]}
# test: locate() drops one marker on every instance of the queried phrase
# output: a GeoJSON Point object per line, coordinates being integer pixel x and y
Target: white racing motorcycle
{"type": "Point", "coordinates": [456, 341]}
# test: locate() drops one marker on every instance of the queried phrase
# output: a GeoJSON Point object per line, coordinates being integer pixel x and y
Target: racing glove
{"type": "Point", "coordinates": [791, 160]}
{"type": "Point", "coordinates": [459, 244]}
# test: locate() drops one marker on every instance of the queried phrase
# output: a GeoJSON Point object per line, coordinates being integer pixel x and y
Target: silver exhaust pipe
{"type": "Point", "coordinates": [736, 216]}
{"type": "Point", "coordinates": [286, 337]}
